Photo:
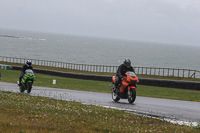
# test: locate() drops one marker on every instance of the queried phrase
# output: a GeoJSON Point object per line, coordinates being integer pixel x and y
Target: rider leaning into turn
{"type": "Point", "coordinates": [25, 67]}
{"type": "Point", "coordinates": [122, 69]}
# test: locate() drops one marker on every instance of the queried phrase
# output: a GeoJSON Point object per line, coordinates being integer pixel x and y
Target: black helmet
{"type": "Point", "coordinates": [127, 62]}
{"type": "Point", "coordinates": [28, 62]}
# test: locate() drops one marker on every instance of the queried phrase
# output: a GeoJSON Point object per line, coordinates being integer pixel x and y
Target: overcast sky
{"type": "Point", "coordinates": [167, 21]}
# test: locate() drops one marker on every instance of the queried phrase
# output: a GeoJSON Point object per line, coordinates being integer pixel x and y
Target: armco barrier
{"type": "Point", "coordinates": [191, 85]}
{"type": "Point", "coordinates": [143, 81]}
{"type": "Point", "coordinates": [70, 75]}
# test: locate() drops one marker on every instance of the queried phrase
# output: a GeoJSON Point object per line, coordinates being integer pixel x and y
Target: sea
{"type": "Point", "coordinates": [96, 51]}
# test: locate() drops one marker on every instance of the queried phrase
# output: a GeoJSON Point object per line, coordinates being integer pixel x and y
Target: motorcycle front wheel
{"type": "Point", "coordinates": [21, 89]}
{"type": "Point", "coordinates": [29, 86]}
{"type": "Point", "coordinates": [131, 95]}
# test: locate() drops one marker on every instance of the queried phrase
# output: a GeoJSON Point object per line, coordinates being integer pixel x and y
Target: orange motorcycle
{"type": "Point", "coordinates": [127, 87]}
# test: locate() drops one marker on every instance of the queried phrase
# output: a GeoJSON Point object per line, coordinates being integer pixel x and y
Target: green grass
{"type": "Point", "coordinates": [169, 93]}
{"type": "Point", "coordinates": [100, 86]}
{"type": "Point", "coordinates": [24, 113]}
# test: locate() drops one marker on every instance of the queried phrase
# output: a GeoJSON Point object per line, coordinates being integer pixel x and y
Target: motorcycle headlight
{"type": "Point", "coordinates": [133, 81]}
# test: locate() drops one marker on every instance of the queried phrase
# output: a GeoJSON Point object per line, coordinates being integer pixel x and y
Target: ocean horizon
{"type": "Point", "coordinates": [96, 51]}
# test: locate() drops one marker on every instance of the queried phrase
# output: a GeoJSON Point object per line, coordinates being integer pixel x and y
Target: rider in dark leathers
{"type": "Point", "coordinates": [122, 69]}
{"type": "Point", "coordinates": [25, 67]}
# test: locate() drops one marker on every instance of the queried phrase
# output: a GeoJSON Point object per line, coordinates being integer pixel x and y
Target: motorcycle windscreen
{"type": "Point", "coordinates": [29, 71]}
{"type": "Point", "coordinates": [132, 74]}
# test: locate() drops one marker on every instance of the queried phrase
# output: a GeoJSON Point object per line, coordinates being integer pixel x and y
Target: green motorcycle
{"type": "Point", "coordinates": [27, 81]}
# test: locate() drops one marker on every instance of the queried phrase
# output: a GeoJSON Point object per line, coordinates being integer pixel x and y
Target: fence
{"type": "Point", "coordinates": [174, 72]}
{"type": "Point", "coordinates": [82, 67]}
{"type": "Point", "coordinates": [187, 73]}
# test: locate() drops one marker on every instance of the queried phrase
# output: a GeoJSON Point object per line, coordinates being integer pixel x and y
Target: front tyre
{"type": "Point", "coordinates": [21, 89]}
{"type": "Point", "coordinates": [29, 86]}
{"type": "Point", "coordinates": [131, 95]}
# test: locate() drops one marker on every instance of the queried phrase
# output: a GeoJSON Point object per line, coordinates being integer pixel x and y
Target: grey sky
{"type": "Point", "coordinates": [167, 21]}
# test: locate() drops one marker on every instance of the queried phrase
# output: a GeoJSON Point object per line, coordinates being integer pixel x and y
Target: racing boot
{"type": "Point", "coordinates": [117, 87]}
{"type": "Point", "coordinates": [20, 79]}
{"type": "Point", "coordinates": [19, 84]}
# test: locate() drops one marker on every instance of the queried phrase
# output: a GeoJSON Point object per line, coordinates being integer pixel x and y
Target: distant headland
{"type": "Point", "coordinates": [9, 36]}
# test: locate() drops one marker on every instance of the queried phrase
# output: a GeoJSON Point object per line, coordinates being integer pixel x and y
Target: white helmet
{"type": "Point", "coordinates": [28, 62]}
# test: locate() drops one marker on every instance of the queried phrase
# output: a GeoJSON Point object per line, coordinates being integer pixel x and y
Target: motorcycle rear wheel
{"type": "Point", "coordinates": [115, 97]}
{"type": "Point", "coordinates": [132, 95]}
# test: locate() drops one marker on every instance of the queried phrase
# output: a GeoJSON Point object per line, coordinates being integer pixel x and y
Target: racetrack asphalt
{"type": "Point", "coordinates": [154, 107]}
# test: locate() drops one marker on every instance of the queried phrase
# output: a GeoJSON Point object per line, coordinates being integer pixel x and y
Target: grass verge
{"type": "Point", "coordinates": [100, 86]}
{"type": "Point", "coordinates": [25, 113]}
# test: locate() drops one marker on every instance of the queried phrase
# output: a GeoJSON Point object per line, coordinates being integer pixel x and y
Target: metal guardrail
{"type": "Point", "coordinates": [82, 67]}
{"type": "Point", "coordinates": [187, 73]}
{"type": "Point", "coordinates": [174, 72]}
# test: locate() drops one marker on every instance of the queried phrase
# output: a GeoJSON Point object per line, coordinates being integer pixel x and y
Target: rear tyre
{"type": "Point", "coordinates": [131, 95]}
{"type": "Point", "coordinates": [115, 97]}
{"type": "Point", "coordinates": [29, 86]}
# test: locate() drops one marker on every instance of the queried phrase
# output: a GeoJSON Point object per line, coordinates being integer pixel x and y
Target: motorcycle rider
{"type": "Point", "coordinates": [122, 69]}
{"type": "Point", "coordinates": [25, 67]}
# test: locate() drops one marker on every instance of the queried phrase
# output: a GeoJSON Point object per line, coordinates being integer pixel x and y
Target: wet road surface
{"type": "Point", "coordinates": [155, 107]}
